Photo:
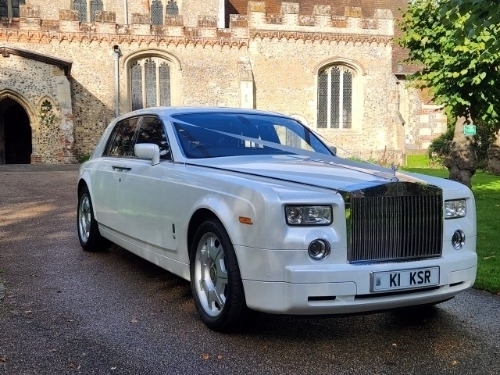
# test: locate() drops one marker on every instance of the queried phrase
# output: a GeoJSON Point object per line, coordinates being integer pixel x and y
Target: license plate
{"type": "Point", "coordinates": [404, 279]}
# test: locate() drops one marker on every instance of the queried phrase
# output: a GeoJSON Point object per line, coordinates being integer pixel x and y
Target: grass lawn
{"type": "Point", "coordinates": [486, 188]}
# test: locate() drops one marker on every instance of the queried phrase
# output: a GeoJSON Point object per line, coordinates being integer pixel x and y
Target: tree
{"type": "Point", "coordinates": [483, 14]}
{"type": "Point", "coordinates": [459, 64]}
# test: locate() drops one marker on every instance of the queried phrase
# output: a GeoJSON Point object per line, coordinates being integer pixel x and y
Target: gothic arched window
{"type": "Point", "coordinates": [150, 83]}
{"type": "Point", "coordinates": [335, 97]}
{"type": "Point", "coordinates": [172, 8]}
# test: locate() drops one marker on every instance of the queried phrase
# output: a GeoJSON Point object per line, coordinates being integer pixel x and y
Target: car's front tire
{"type": "Point", "coordinates": [88, 231]}
{"type": "Point", "coordinates": [215, 279]}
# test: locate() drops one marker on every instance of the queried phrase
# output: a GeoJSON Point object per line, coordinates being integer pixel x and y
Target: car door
{"type": "Point", "coordinates": [109, 170]}
{"type": "Point", "coordinates": [141, 195]}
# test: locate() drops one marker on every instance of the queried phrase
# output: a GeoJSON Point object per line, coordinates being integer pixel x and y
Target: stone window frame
{"type": "Point", "coordinates": [89, 7]}
{"type": "Point", "coordinates": [357, 95]}
{"type": "Point", "coordinates": [11, 8]}
{"type": "Point", "coordinates": [158, 56]}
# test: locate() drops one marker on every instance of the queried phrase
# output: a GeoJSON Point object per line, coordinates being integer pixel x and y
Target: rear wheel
{"type": "Point", "coordinates": [215, 279]}
{"type": "Point", "coordinates": [88, 231]}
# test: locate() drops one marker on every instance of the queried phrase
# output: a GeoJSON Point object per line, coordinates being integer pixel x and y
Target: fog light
{"type": "Point", "coordinates": [318, 249]}
{"type": "Point", "coordinates": [458, 239]}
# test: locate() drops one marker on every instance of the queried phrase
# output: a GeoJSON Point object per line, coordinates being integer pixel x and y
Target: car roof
{"type": "Point", "coordinates": [169, 111]}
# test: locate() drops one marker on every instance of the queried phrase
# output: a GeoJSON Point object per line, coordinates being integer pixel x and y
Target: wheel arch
{"type": "Point", "coordinates": [199, 216]}
{"type": "Point", "coordinates": [81, 184]}
{"type": "Point", "coordinates": [226, 211]}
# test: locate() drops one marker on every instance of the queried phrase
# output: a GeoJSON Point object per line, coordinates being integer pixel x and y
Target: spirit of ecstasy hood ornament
{"type": "Point", "coordinates": [394, 168]}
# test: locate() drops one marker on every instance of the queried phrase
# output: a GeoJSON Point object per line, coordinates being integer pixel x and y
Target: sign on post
{"type": "Point", "coordinates": [470, 130]}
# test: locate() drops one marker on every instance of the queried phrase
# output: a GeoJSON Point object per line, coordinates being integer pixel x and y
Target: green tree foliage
{"type": "Point", "coordinates": [481, 14]}
{"type": "Point", "coordinates": [456, 45]}
{"type": "Point", "coordinates": [460, 61]}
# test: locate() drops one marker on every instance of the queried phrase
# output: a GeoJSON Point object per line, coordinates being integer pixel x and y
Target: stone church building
{"type": "Point", "coordinates": [68, 68]}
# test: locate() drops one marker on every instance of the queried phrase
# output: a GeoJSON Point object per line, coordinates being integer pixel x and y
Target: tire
{"type": "Point", "coordinates": [215, 279]}
{"type": "Point", "coordinates": [88, 231]}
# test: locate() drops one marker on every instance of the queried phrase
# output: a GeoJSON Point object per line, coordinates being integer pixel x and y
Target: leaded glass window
{"type": "Point", "coordinates": [347, 100]}
{"type": "Point", "coordinates": [323, 99]}
{"type": "Point", "coordinates": [4, 10]}
{"type": "Point", "coordinates": [335, 95]}
{"type": "Point", "coordinates": [10, 8]}
{"type": "Point", "coordinates": [81, 7]}
{"type": "Point", "coordinates": [164, 84]}
{"type": "Point", "coordinates": [172, 8]}
{"type": "Point", "coordinates": [136, 85]}
{"type": "Point", "coordinates": [156, 12]}
{"type": "Point", "coordinates": [150, 73]}
{"type": "Point", "coordinates": [15, 7]}
{"type": "Point", "coordinates": [95, 7]}
{"type": "Point", "coordinates": [150, 80]}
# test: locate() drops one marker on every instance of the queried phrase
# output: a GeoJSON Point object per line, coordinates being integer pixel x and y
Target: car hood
{"type": "Point", "coordinates": [324, 171]}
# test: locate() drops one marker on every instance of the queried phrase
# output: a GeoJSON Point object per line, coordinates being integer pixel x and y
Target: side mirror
{"type": "Point", "coordinates": [148, 151]}
{"type": "Point", "coordinates": [333, 149]}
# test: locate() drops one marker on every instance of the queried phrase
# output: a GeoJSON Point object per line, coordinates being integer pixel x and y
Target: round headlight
{"type": "Point", "coordinates": [318, 249]}
{"type": "Point", "coordinates": [458, 239]}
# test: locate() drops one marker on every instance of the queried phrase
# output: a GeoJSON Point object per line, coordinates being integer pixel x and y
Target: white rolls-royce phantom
{"type": "Point", "coordinates": [258, 213]}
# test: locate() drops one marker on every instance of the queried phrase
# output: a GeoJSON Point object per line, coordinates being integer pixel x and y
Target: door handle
{"type": "Point", "coordinates": [121, 168]}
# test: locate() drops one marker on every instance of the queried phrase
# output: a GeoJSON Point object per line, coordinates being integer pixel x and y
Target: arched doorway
{"type": "Point", "coordinates": [15, 133]}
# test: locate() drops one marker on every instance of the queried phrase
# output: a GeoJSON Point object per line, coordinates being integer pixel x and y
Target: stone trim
{"type": "Point", "coordinates": [45, 38]}
{"type": "Point", "coordinates": [320, 37]}
{"type": "Point", "coordinates": [63, 64]}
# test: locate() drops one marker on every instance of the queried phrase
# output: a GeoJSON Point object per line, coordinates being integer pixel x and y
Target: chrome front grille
{"type": "Point", "coordinates": [394, 222]}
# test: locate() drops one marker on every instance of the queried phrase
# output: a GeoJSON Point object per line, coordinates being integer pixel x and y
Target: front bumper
{"type": "Point", "coordinates": [345, 288]}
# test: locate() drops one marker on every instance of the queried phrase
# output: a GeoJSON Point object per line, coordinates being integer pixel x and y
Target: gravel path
{"type": "Point", "coordinates": [65, 311]}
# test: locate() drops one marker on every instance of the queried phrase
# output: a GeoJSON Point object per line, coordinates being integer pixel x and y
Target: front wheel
{"type": "Point", "coordinates": [215, 279]}
{"type": "Point", "coordinates": [88, 231]}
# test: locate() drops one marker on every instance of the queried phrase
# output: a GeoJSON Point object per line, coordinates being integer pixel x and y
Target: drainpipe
{"type": "Point", "coordinates": [125, 7]}
{"type": "Point", "coordinates": [221, 15]}
{"type": "Point", "coordinates": [116, 55]}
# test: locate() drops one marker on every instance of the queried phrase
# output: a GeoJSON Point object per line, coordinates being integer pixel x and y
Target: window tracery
{"type": "Point", "coordinates": [335, 97]}
{"type": "Point", "coordinates": [150, 83]}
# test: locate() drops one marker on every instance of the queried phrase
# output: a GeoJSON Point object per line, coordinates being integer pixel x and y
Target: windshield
{"type": "Point", "coordinates": [208, 135]}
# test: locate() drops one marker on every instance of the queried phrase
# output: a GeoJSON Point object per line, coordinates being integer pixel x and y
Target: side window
{"type": "Point", "coordinates": [152, 131]}
{"type": "Point", "coordinates": [122, 139]}
{"type": "Point", "coordinates": [288, 137]}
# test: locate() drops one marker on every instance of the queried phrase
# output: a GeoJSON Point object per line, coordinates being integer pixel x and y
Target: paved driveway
{"type": "Point", "coordinates": [65, 311]}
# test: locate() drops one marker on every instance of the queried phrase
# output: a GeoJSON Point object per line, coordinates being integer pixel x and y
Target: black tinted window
{"type": "Point", "coordinates": [151, 131]}
{"type": "Point", "coordinates": [122, 139]}
{"type": "Point", "coordinates": [208, 135]}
